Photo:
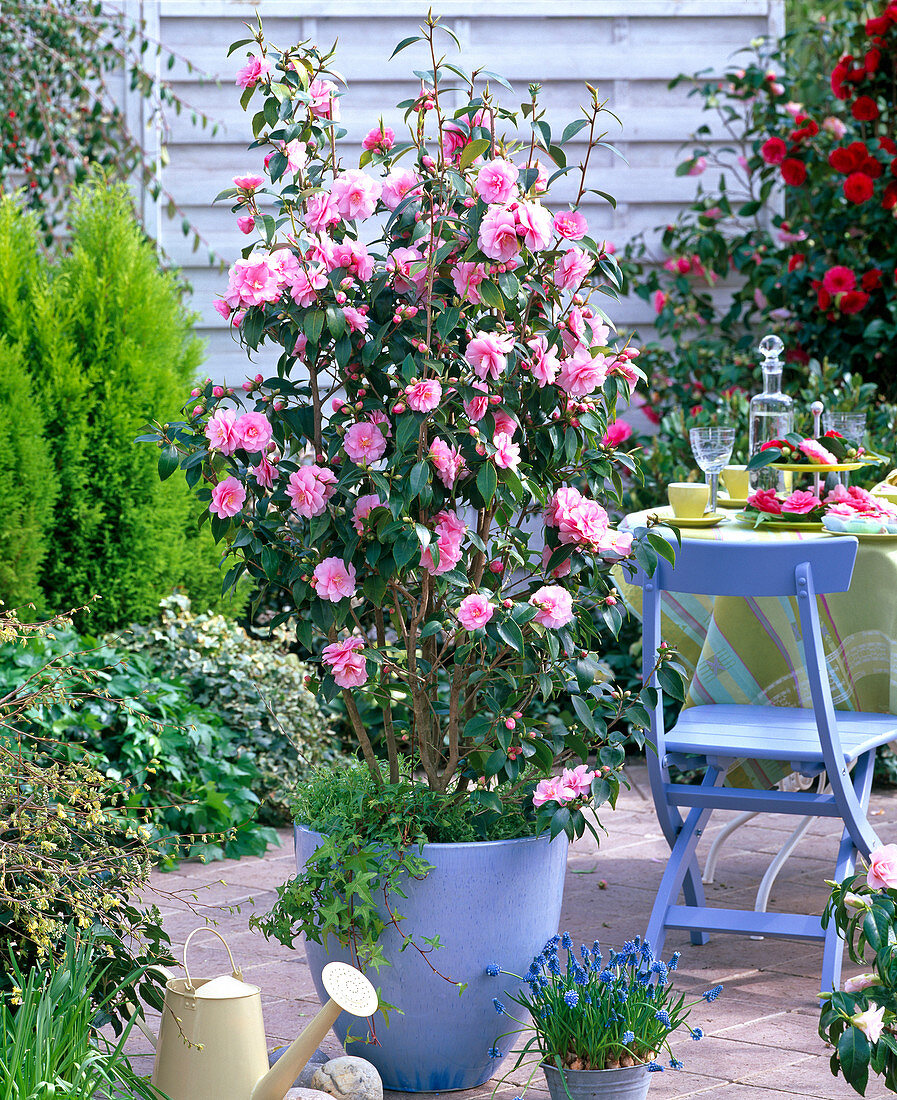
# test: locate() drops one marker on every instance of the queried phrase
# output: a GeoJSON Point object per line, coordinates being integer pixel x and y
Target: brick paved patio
{"type": "Point", "coordinates": [761, 1040]}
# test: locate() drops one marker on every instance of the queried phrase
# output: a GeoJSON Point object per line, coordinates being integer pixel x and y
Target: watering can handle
{"type": "Point", "coordinates": [237, 972]}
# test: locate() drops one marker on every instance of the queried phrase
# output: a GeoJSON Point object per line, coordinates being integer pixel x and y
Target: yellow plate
{"type": "Point", "coordinates": [808, 468]}
{"type": "Point", "coordinates": [731, 502]}
{"type": "Point", "coordinates": [861, 535]}
{"type": "Point", "coordinates": [696, 521]}
{"type": "Point", "coordinates": [780, 525]}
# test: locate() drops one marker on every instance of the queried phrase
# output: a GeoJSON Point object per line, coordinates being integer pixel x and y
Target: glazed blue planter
{"type": "Point", "coordinates": [494, 901]}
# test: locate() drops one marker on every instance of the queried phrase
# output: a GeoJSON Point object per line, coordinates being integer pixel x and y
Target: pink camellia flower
{"type": "Point", "coordinates": [423, 396]}
{"type": "Point", "coordinates": [507, 452]}
{"type": "Point", "coordinates": [615, 544]}
{"type": "Point", "coordinates": [255, 431]}
{"type": "Point", "coordinates": [560, 570]}
{"type": "Point", "coordinates": [659, 300]}
{"type": "Point", "coordinates": [584, 523]}
{"type": "Point", "coordinates": [477, 407]}
{"type": "Point", "coordinates": [504, 422]}
{"type": "Point", "coordinates": [582, 373]}
{"type": "Point", "coordinates": [699, 167]}
{"type": "Point", "coordinates": [255, 69]}
{"type": "Point", "coordinates": [246, 224]}
{"type": "Point", "coordinates": [364, 443]}
{"type": "Point", "coordinates": [355, 258]}
{"type": "Point", "coordinates": [220, 306]}
{"type": "Point", "coordinates": [860, 982]}
{"type": "Point", "coordinates": [617, 432]}
{"type": "Point", "coordinates": [306, 283]}
{"type": "Point", "coordinates": [800, 502]}
{"type": "Point", "coordinates": [249, 184]}
{"type": "Point", "coordinates": [497, 236]}
{"type": "Point", "coordinates": [222, 432]}
{"type": "Point", "coordinates": [545, 363]}
{"type": "Point", "coordinates": [533, 225]}
{"type": "Point", "coordinates": [355, 194]}
{"type": "Point", "coordinates": [570, 225]}
{"type": "Point", "coordinates": [381, 138]}
{"type": "Point", "coordinates": [321, 212]}
{"type": "Point", "coordinates": [348, 667]}
{"type": "Point", "coordinates": [871, 1022]}
{"type": "Point", "coordinates": [816, 453]}
{"type": "Point", "coordinates": [300, 346]}
{"type": "Point", "coordinates": [265, 473]}
{"type": "Point", "coordinates": [453, 140]}
{"type": "Point", "coordinates": [355, 319]}
{"type": "Point", "coordinates": [398, 184]}
{"type": "Point", "coordinates": [475, 611]}
{"type": "Point", "coordinates": [324, 103]}
{"type": "Point", "coordinates": [410, 274]}
{"type": "Point", "coordinates": [466, 277]}
{"type": "Point", "coordinates": [540, 185]}
{"type": "Point", "coordinates": [381, 420]}
{"type": "Point", "coordinates": [765, 500]}
{"type": "Point", "coordinates": [334, 580]}
{"type": "Point", "coordinates": [487, 353]}
{"type": "Point", "coordinates": [310, 488]}
{"type": "Point", "coordinates": [363, 508]}
{"type": "Point", "coordinates": [296, 152]}
{"type": "Point", "coordinates": [579, 780]}
{"type": "Point", "coordinates": [839, 279]}
{"type": "Point", "coordinates": [447, 462]}
{"type": "Point", "coordinates": [555, 606]}
{"type": "Point", "coordinates": [550, 790]}
{"type": "Point", "coordinates": [882, 874]}
{"type": "Point", "coordinates": [450, 531]}
{"type": "Point", "coordinates": [571, 268]}
{"type": "Point", "coordinates": [624, 369]}
{"type": "Point", "coordinates": [228, 497]}
{"type": "Point", "coordinates": [251, 282]}
{"type": "Point", "coordinates": [563, 501]}
{"type": "Point", "coordinates": [497, 180]}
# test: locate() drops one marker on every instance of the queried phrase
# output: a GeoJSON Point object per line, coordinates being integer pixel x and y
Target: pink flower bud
{"type": "Point", "coordinates": [336, 404]}
{"type": "Point", "coordinates": [260, 378]}
{"type": "Point", "coordinates": [611, 601]}
{"type": "Point", "coordinates": [218, 391]}
{"type": "Point", "coordinates": [496, 566]}
{"type": "Point", "coordinates": [248, 386]}
{"type": "Point", "coordinates": [398, 408]}
{"type": "Point", "coordinates": [481, 449]}
{"type": "Point", "coordinates": [516, 714]}
{"type": "Point", "coordinates": [195, 393]}
{"type": "Point", "coordinates": [362, 391]}
{"type": "Point", "coordinates": [510, 724]}
{"type": "Point", "coordinates": [278, 405]}
{"type": "Point", "coordinates": [198, 411]}
{"type": "Point", "coordinates": [494, 399]}
{"type": "Point", "coordinates": [507, 604]}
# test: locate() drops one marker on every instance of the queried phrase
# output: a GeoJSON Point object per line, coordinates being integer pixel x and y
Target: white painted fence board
{"type": "Point", "coordinates": [629, 48]}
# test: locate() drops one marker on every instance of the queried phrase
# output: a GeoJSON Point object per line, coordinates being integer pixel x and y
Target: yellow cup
{"type": "Point", "coordinates": [737, 481]}
{"type": "Point", "coordinates": [688, 499]}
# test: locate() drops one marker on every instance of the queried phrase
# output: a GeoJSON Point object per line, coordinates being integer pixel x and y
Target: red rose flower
{"type": "Point", "coordinates": [858, 187]}
{"type": "Point", "coordinates": [889, 199]}
{"type": "Point", "coordinates": [839, 279]}
{"type": "Point", "coordinates": [797, 355]}
{"type": "Point", "coordinates": [871, 280]}
{"type": "Point", "coordinates": [796, 261]}
{"type": "Point", "coordinates": [832, 434]}
{"type": "Point", "coordinates": [773, 150]}
{"type": "Point", "coordinates": [853, 301]}
{"type": "Point", "coordinates": [889, 146]}
{"type": "Point", "coordinates": [894, 167]}
{"type": "Point", "coordinates": [849, 159]}
{"type": "Point", "coordinates": [872, 168]}
{"type": "Point", "coordinates": [794, 172]}
{"type": "Point", "coordinates": [865, 109]}
{"type": "Point", "coordinates": [807, 131]}
{"type": "Point", "coordinates": [872, 60]}
{"type": "Point", "coordinates": [823, 299]}
{"type": "Point", "coordinates": [877, 25]}
{"type": "Point", "coordinates": [838, 74]}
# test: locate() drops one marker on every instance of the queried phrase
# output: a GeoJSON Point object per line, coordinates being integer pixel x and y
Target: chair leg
{"type": "Point", "coordinates": [682, 871]}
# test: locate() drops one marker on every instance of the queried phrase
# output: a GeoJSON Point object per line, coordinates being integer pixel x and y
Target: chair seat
{"type": "Point", "coordinates": [773, 733]}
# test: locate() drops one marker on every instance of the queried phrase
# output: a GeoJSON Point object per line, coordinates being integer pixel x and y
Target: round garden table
{"type": "Point", "coordinates": [747, 650]}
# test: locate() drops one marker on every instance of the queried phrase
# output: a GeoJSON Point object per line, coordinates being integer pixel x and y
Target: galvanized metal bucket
{"type": "Point", "coordinates": [627, 1083]}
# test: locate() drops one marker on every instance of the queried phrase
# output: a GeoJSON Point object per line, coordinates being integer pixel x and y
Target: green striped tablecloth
{"type": "Point", "coordinates": [747, 650]}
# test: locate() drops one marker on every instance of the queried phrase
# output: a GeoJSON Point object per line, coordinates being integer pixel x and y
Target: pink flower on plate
{"type": "Point", "coordinates": [487, 353]}
{"type": "Point", "coordinates": [363, 508]}
{"type": "Point", "coordinates": [321, 212]}
{"type": "Point", "coordinates": [450, 531]}
{"type": "Point", "coordinates": [584, 523]}
{"type": "Point", "coordinates": [765, 500]}
{"type": "Point", "coordinates": [255, 431]}
{"type": "Point", "coordinates": [423, 396]}
{"type": "Point", "coordinates": [466, 277]}
{"type": "Point", "coordinates": [545, 365]}
{"type": "Point", "coordinates": [816, 453]}
{"type": "Point", "coordinates": [497, 235]}
{"type": "Point", "coordinates": [555, 606]}
{"type": "Point", "coordinates": [579, 779]}
{"type": "Point", "coordinates": [355, 194]}
{"type": "Point", "coordinates": [800, 502]}
{"type": "Point", "coordinates": [381, 139]}
{"type": "Point", "coordinates": [882, 873]}
{"type": "Point", "coordinates": [447, 462]}
{"type": "Point", "coordinates": [364, 443]}
{"type": "Point", "coordinates": [400, 183]}
{"type": "Point", "coordinates": [551, 790]}
{"type": "Point", "coordinates": [324, 103]}
{"type": "Point", "coordinates": [560, 570]}
{"type": "Point", "coordinates": [571, 268]}
{"type": "Point", "coordinates": [228, 497]}
{"type": "Point", "coordinates": [222, 432]}
{"type": "Point", "coordinates": [334, 580]}
{"type": "Point", "coordinates": [533, 225]}
{"type": "Point", "coordinates": [255, 69]}
{"type": "Point", "coordinates": [618, 431]}
{"type": "Point", "coordinates": [582, 373]}
{"type": "Point", "coordinates": [477, 407]}
{"type": "Point", "coordinates": [570, 225]}
{"type": "Point", "coordinates": [348, 667]}
{"type": "Point", "coordinates": [497, 180]}
{"type": "Point", "coordinates": [507, 452]}
{"type": "Point", "coordinates": [475, 611]}
{"type": "Point", "coordinates": [310, 488]}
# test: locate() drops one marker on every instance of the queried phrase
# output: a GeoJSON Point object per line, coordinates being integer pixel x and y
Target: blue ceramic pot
{"type": "Point", "coordinates": [494, 901]}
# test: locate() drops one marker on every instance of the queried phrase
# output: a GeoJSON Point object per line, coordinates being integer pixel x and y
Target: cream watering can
{"type": "Point", "coordinates": [211, 1043]}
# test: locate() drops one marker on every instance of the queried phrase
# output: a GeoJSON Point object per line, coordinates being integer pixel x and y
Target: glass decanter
{"type": "Point", "coordinates": [771, 413]}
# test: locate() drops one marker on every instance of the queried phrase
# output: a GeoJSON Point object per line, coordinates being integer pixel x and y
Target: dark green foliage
{"type": "Point", "coordinates": [108, 342]}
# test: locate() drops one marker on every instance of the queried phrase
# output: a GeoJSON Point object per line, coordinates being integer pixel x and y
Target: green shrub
{"type": "Point", "coordinates": [108, 342]}
{"type": "Point", "coordinates": [256, 686]}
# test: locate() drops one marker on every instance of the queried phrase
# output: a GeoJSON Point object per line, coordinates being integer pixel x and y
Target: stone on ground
{"type": "Point", "coordinates": [348, 1078]}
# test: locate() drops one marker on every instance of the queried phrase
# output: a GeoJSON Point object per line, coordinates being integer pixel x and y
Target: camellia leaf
{"type": "Point", "coordinates": [487, 482]}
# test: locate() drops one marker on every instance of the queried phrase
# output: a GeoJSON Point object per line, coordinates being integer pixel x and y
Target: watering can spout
{"type": "Point", "coordinates": [350, 991]}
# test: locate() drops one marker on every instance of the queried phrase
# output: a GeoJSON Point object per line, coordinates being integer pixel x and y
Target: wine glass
{"type": "Point", "coordinates": [712, 448]}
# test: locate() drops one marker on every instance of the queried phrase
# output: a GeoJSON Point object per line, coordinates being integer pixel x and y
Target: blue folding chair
{"type": "Point", "coordinates": [811, 740]}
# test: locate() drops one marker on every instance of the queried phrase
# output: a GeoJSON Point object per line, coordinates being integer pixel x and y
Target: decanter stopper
{"type": "Point", "coordinates": [771, 347]}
